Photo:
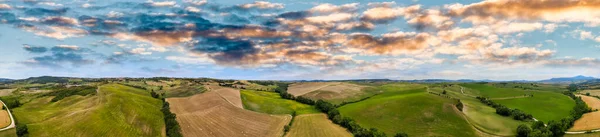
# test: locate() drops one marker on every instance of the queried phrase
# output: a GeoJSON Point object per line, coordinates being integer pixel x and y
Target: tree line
{"type": "Point", "coordinates": [516, 114]}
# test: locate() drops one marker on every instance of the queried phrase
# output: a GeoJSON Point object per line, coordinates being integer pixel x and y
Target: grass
{"type": "Point", "coordinates": [544, 106]}
{"type": "Point", "coordinates": [316, 125]}
{"type": "Point", "coordinates": [485, 118]}
{"type": "Point", "coordinates": [116, 110]}
{"type": "Point", "coordinates": [338, 98]}
{"type": "Point", "coordinates": [413, 111]}
{"type": "Point", "coordinates": [9, 133]}
{"type": "Point", "coordinates": [479, 114]}
{"type": "Point", "coordinates": [487, 90]}
{"type": "Point", "coordinates": [272, 103]}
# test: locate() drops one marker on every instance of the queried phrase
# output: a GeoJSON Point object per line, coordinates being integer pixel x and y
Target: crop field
{"type": "Point", "coordinates": [415, 112]}
{"type": "Point", "coordinates": [298, 89]}
{"type": "Point", "coordinates": [594, 92]}
{"type": "Point", "coordinates": [272, 103]}
{"type": "Point", "coordinates": [116, 110]}
{"type": "Point", "coordinates": [231, 95]}
{"type": "Point", "coordinates": [6, 92]}
{"type": "Point", "coordinates": [208, 114]}
{"type": "Point", "coordinates": [4, 119]}
{"type": "Point", "coordinates": [316, 125]}
{"type": "Point", "coordinates": [184, 90]}
{"type": "Point", "coordinates": [544, 106]}
{"type": "Point", "coordinates": [589, 121]}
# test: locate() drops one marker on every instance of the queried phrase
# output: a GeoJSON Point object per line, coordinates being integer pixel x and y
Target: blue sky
{"type": "Point", "coordinates": [293, 39]}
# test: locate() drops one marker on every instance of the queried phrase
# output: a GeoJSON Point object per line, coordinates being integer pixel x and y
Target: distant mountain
{"type": "Point", "coordinates": [5, 79]}
{"type": "Point", "coordinates": [579, 78]}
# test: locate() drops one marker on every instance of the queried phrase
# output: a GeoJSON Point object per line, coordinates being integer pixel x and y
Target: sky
{"type": "Point", "coordinates": [301, 39]}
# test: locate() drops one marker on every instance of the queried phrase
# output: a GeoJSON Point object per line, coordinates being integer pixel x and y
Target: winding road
{"type": "Point", "coordinates": [12, 120]}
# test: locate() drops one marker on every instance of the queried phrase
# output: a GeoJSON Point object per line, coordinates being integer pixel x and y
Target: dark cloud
{"type": "Point", "coordinates": [35, 49]}
{"type": "Point", "coordinates": [57, 59]}
{"type": "Point", "coordinates": [294, 15]}
{"type": "Point", "coordinates": [46, 12]}
{"type": "Point", "coordinates": [235, 19]}
{"type": "Point", "coordinates": [227, 51]}
{"type": "Point", "coordinates": [6, 17]}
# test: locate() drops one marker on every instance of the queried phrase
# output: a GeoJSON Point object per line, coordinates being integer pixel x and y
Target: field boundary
{"type": "Point", "coordinates": [12, 120]}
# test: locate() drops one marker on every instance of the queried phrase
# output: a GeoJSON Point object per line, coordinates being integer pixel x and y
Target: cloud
{"type": "Point", "coordinates": [585, 11]}
{"type": "Point", "coordinates": [337, 17]}
{"type": "Point", "coordinates": [202, 60]}
{"type": "Point", "coordinates": [261, 5]}
{"type": "Point", "coordinates": [5, 7]}
{"type": "Point", "coordinates": [161, 3]}
{"type": "Point", "coordinates": [61, 54]}
{"type": "Point", "coordinates": [330, 8]}
{"type": "Point", "coordinates": [57, 32]}
{"type": "Point", "coordinates": [35, 49]}
{"type": "Point", "coordinates": [57, 20]}
{"type": "Point", "coordinates": [391, 43]}
{"type": "Point", "coordinates": [140, 51]}
{"type": "Point", "coordinates": [196, 2]}
{"type": "Point", "coordinates": [385, 14]}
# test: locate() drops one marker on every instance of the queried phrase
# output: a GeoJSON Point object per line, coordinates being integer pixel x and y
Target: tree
{"type": "Point", "coordinates": [572, 87]}
{"type": "Point", "coordinates": [523, 130]}
{"type": "Point", "coordinates": [22, 130]}
{"type": "Point", "coordinates": [444, 92]}
{"type": "Point", "coordinates": [538, 125]}
{"type": "Point", "coordinates": [401, 134]}
{"type": "Point", "coordinates": [587, 94]}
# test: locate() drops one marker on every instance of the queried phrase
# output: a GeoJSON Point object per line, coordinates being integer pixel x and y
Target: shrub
{"type": "Point", "coordinates": [523, 130]}
{"type": "Point", "coordinates": [401, 134]}
{"type": "Point", "coordinates": [22, 130]}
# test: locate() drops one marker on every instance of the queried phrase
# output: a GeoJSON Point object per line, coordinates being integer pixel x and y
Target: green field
{"type": "Point", "coordinates": [488, 90]}
{"type": "Point", "coordinates": [544, 106]}
{"type": "Point", "coordinates": [9, 133]}
{"type": "Point", "coordinates": [116, 110]}
{"type": "Point", "coordinates": [415, 112]}
{"type": "Point", "coordinates": [272, 103]}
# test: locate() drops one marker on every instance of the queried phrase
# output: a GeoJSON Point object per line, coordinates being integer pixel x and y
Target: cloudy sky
{"type": "Point", "coordinates": [301, 39]}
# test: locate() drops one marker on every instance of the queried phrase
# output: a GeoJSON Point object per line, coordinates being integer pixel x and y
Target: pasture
{"type": "Point", "coordinates": [488, 90]}
{"type": "Point", "coordinates": [116, 110]}
{"type": "Point", "coordinates": [316, 125]}
{"type": "Point", "coordinates": [544, 106]}
{"type": "Point", "coordinates": [272, 103]}
{"type": "Point", "coordinates": [208, 114]}
{"type": "Point", "coordinates": [414, 111]}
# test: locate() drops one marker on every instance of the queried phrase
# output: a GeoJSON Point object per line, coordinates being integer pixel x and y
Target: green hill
{"type": "Point", "coordinates": [116, 110]}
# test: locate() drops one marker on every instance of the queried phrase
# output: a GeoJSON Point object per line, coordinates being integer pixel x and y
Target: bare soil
{"type": "Point", "coordinates": [208, 114]}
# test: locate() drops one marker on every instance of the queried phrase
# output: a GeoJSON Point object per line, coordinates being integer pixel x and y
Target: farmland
{"type": "Point", "coordinates": [589, 121]}
{"type": "Point", "coordinates": [316, 125]}
{"type": "Point", "coordinates": [412, 111]}
{"type": "Point", "coordinates": [272, 103]}
{"type": "Point", "coordinates": [116, 110]}
{"type": "Point", "coordinates": [544, 106]}
{"type": "Point", "coordinates": [478, 114]}
{"type": "Point", "coordinates": [208, 114]}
